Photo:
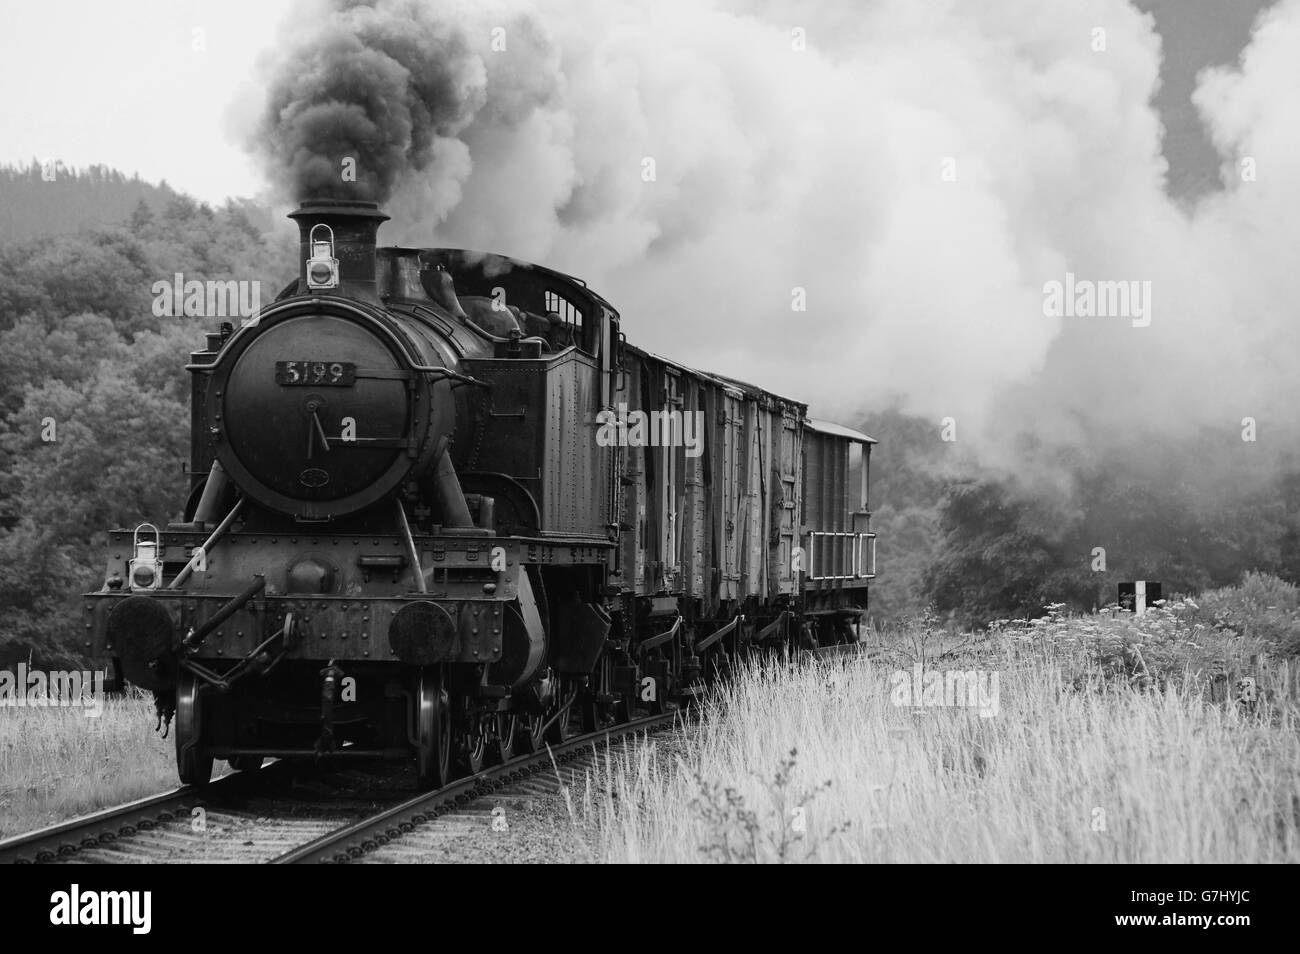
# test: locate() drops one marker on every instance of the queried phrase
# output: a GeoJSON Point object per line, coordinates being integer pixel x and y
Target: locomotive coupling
{"type": "Point", "coordinates": [331, 675]}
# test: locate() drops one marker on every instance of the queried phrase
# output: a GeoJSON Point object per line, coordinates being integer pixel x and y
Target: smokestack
{"type": "Point", "coordinates": [351, 227]}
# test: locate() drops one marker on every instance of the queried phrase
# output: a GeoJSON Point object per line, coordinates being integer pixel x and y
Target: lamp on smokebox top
{"type": "Point", "coordinates": [322, 267]}
{"type": "Point", "coordinates": [145, 570]}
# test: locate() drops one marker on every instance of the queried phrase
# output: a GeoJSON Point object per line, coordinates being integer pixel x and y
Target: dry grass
{"type": "Point", "coordinates": [55, 763]}
{"type": "Point", "coordinates": [1084, 762]}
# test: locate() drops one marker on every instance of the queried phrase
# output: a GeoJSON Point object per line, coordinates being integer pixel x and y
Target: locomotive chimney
{"type": "Point", "coordinates": [337, 246]}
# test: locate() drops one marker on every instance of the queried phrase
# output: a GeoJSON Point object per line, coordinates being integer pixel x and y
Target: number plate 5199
{"type": "Point", "coordinates": [341, 374]}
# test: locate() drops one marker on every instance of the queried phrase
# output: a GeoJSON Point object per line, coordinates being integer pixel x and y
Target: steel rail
{"type": "Point", "coordinates": [122, 821]}
{"type": "Point", "coordinates": [356, 839]}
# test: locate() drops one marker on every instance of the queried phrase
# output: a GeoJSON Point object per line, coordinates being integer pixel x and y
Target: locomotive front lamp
{"type": "Point", "coordinates": [145, 570]}
{"type": "Point", "coordinates": [322, 267]}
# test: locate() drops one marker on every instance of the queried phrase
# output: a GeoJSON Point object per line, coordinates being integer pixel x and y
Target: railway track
{"type": "Point", "coordinates": [105, 827]}
{"type": "Point", "coordinates": [287, 815]}
{"type": "Point", "coordinates": [402, 822]}
{"type": "Point", "coordinates": [243, 817]}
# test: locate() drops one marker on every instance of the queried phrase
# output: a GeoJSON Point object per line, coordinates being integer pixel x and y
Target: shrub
{"type": "Point", "coordinates": [1262, 607]}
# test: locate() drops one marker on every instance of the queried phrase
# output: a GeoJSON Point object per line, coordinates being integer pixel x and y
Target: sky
{"type": "Point", "coordinates": [1195, 34]}
{"type": "Point", "coordinates": [132, 86]}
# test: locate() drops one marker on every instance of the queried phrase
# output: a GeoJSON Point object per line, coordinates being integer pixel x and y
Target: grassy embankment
{"type": "Point", "coordinates": [57, 763]}
{"type": "Point", "coordinates": [1114, 740]}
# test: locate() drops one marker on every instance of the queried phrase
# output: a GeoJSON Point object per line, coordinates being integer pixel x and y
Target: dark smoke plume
{"type": "Point", "coordinates": [384, 84]}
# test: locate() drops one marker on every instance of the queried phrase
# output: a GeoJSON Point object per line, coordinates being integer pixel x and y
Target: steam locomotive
{"type": "Point", "coordinates": [440, 508]}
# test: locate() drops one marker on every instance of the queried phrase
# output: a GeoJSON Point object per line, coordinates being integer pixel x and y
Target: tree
{"type": "Point", "coordinates": [1003, 555]}
{"type": "Point", "coordinates": [141, 216]}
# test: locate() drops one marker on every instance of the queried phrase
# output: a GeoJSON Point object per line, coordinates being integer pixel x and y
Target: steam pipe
{"type": "Point", "coordinates": [213, 489]}
{"type": "Point", "coordinates": [412, 553]}
{"type": "Point", "coordinates": [497, 339]}
{"type": "Point", "coordinates": [202, 552]}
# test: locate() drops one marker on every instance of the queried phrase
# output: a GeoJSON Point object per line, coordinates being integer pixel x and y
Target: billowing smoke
{"type": "Point", "coordinates": [366, 96]}
{"type": "Point", "coordinates": [854, 204]}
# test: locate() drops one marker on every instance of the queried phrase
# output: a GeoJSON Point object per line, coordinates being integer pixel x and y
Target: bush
{"type": "Point", "coordinates": [1167, 645]}
{"type": "Point", "coordinates": [1262, 607]}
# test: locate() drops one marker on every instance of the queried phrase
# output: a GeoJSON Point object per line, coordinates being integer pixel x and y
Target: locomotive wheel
{"type": "Point", "coordinates": [193, 759]}
{"type": "Point", "coordinates": [594, 713]}
{"type": "Point", "coordinates": [505, 727]}
{"type": "Point", "coordinates": [559, 729]}
{"type": "Point", "coordinates": [433, 753]}
{"type": "Point", "coordinates": [471, 739]}
{"type": "Point", "coordinates": [528, 733]}
{"type": "Point", "coordinates": [246, 763]}
{"type": "Point", "coordinates": [590, 711]}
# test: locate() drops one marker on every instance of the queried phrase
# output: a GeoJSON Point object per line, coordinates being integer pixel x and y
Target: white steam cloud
{"type": "Point", "coordinates": [805, 146]}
